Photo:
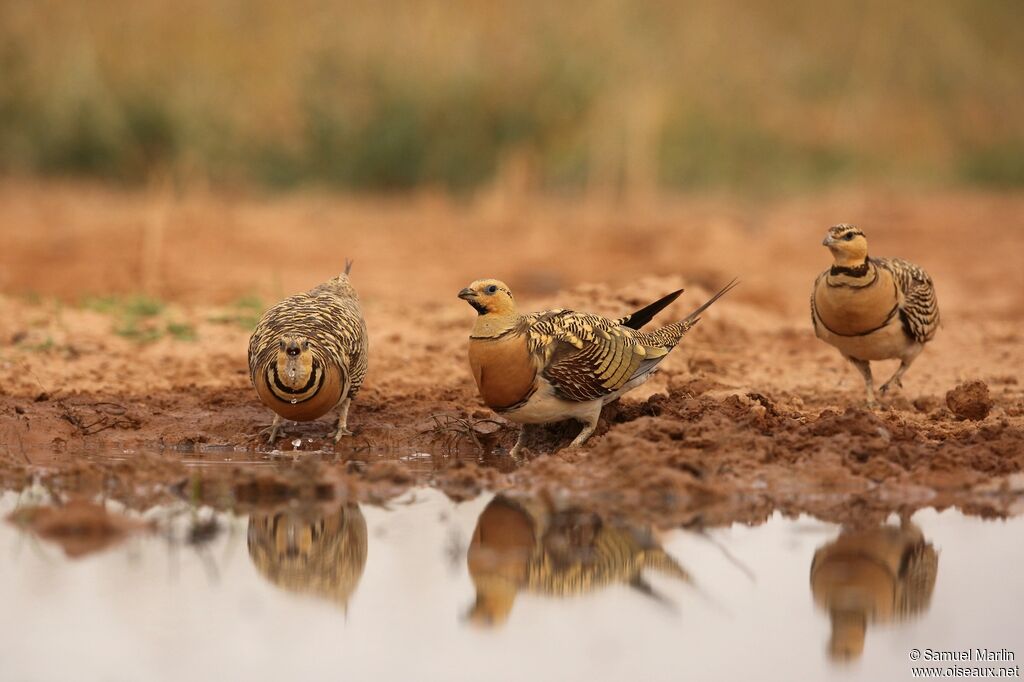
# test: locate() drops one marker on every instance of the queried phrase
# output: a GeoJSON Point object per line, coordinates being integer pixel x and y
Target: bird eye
{"type": "Point", "coordinates": [493, 289]}
{"type": "Point", "coordinates": [849, 236]}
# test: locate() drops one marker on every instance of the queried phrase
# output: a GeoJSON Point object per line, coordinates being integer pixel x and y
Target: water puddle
{"type": "Point", "coordinates": [503, 588]}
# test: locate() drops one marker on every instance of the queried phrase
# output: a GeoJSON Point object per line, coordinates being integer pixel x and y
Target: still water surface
{"type": "Point", "coordinates": [503, 589]}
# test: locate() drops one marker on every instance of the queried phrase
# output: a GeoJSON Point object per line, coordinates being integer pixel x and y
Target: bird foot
{"type": "Point", "coordinates": [888, 386]}
{"type": "Point", "coordinates": [516, 452]}
{"type": "Point", "coordinates": [267, 434]}
{"type": "Point", "coordinates": [341, 432]}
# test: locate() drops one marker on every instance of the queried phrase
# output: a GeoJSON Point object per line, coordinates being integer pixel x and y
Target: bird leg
{"type": "Point", "coordinates": [589, 424]}
{"type": "Point", "coordinates": [864, 367]}
{"type": "Point", "coordinates": [518, 447]}
{"type": "Point", "coordinates": [343, 420]}
{"type": "Point", "coordinates": [894, 380]}
{"type": "Point", "coordinates": [271, 431]}
{"type": "Point", "coordinates": [904, 366]}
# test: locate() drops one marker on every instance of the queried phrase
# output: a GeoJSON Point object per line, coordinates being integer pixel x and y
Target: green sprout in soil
{"type": "Point", "coordinates": [243, 313]}
{"type": "Point", "coordinates": [44, 346]}
{"type": "Point", "coordinates": [140, 318]}
{"type": "Point", "coordinates": [181, 331]}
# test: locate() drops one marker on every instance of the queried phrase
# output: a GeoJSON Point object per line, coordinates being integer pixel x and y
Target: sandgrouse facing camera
{"type": "Point", "coordinates": [545, 367]}
{"type": "Point", "coordinates": [308, 354]}
{"type": "Point", "coordinates": [872, 308]}
{"type": "Point", "coordinates": [872, 576]}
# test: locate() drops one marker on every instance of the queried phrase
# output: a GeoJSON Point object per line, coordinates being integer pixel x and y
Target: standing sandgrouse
{"type": "Point", "coordinates": [550, 366]}
{"type": "Point", "coordinates": [872, 576]}
{"type": "Point", "coordinates": [308, 354]}
{"type": "Point", "coordinates": [872, 308]}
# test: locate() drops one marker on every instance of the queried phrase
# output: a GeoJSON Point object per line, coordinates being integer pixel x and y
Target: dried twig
{"type": "Point", "coordinates": [454, 428]}
{"type": "Point", "coordinates": [106, 415]}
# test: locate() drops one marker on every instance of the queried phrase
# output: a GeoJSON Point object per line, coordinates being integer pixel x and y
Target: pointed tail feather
{"type": "Point", "coordinates": [694, 317]}
{"type": "Point", "coordinates": [348, 266]}
{"type": "Point", "coordinates": [638, 319]}
{"type": "Point", "coordinates": [668, 336]}
{"type": "Point", "coordinates": [663, 562]}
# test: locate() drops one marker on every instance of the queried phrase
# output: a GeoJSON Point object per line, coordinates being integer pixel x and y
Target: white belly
{"type": "Point", "coordinates": [887, 343]}
{"type": "Point", "coordinates": [545, 407]}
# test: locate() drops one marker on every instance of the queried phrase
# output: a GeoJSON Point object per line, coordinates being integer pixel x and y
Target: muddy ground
{"type": "Point", "coordinates": [142, 399]}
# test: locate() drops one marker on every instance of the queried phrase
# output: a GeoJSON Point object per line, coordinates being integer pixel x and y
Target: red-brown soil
{"type": "Point", "coordinates": [79, 526]}
{"type": "Point", "coordinates": [751, 413]}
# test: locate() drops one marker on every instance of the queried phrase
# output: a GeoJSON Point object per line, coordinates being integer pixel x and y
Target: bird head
{"type": "Point", "coordinates": [492, 606]}
{"type": "Point", "coordinates": [847, 243]}
{"type": "Point", "coordinates": [315, 551]}
{"type": "Point", "coordinates": [295, 361]}
{"type": "Point", "coordinates": [489, 297]}
{"type": "Point", "coordinates": [848, 630]}
{"type": "Point", "coordinates": [498, 557]}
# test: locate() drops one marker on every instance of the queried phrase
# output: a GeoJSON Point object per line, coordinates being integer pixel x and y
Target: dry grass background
{"type": "Point", "coordinates": [608, 96]}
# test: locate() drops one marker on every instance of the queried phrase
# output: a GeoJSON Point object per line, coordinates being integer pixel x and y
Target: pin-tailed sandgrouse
{"type": "Point", "coordinates": [308, 354]}
{"type": "Point", "coordinates": [550, 366]}
{"type": "Point", "coordinates": [872, 308]}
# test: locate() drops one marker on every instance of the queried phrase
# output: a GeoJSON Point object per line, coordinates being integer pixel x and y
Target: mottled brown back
{"type": "Point", "coordinates": [328, 315]}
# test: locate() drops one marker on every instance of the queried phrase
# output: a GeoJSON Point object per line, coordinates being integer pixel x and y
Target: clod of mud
{"type": "Point", "coordinates": [970, 400]}
{"type": "Point", "coordinates": [79, 526]}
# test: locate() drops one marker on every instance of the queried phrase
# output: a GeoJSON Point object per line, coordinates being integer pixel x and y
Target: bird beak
{"type": "Point", "coordinates": [828, 241]}
{"type": "Point", "coordinates": [467, 294]}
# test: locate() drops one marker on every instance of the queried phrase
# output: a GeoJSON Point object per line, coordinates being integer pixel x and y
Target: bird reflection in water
{"type": "Point", "coordinates": [523, 545]}
{"type": "Point", "coordinates": [319, 552]}
{"type": "Point", "coordinates": [877, 575]}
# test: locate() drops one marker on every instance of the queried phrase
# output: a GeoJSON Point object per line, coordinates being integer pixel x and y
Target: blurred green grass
{"type": "Point", "coordinates": [244, 313]}
{"type": "Point", "coordinates": [603, 96]}
{"type": "Point", "coordinates": [140, 318]}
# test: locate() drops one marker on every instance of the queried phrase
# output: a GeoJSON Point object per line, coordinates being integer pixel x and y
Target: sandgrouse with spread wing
{"type": "Point", "coordinates": [308, 354]}
{"type": "Point", "coordinates": [550, 366]}
{"type": "Point", "coordinates": [872, 308]}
